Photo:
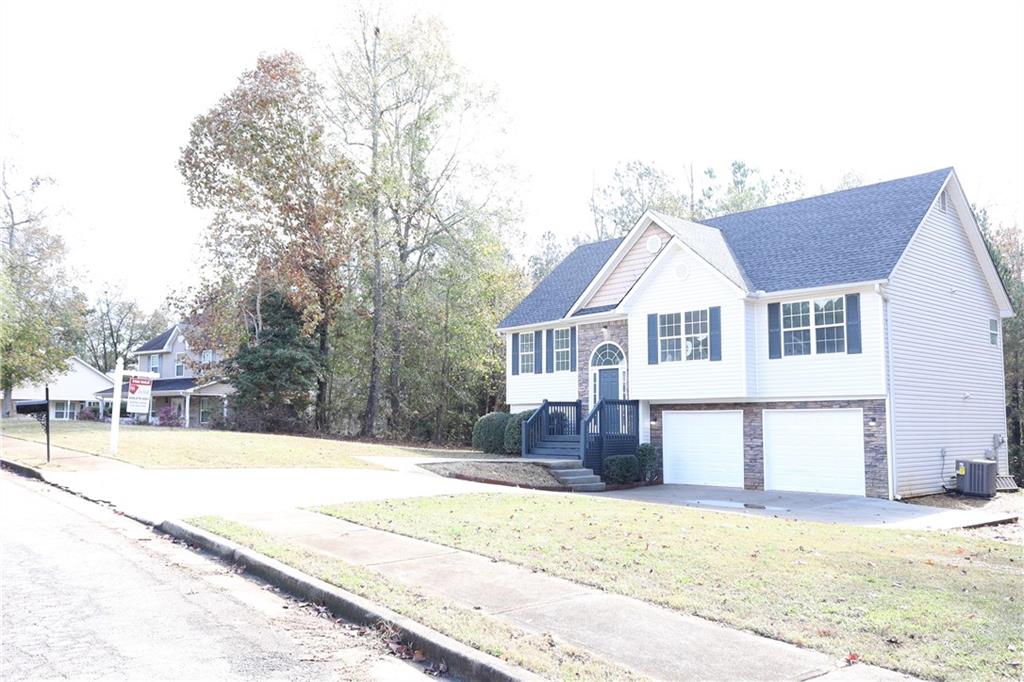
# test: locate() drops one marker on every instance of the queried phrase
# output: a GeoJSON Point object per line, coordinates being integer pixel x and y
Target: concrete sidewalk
{"type": "Point", "coordinates": [652, 640]}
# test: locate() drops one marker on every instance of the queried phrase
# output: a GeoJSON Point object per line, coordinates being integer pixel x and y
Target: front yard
{"type": "Point", "coordinates": [934, 605]}
{"type": "Point", "coordinates": [162, 447]}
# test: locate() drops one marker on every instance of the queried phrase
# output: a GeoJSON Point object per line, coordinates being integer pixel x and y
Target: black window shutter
{"type": "Point", "coordinates": [853, 323]}
{"type": "Point", "coordinates": [572, 349]}
{"type": "Point", "coordinates": [774, 331]}
{"type": "Point", "coordinates": [515, 353]}
{"type": "Point", "coordinates": [549, 350]}
{"type": "Point", "coordinates": [652, 339]}
{"type": "Point", "coordinates": [715, 333]}
{"type": "Point", "coordinates": [538, 340]}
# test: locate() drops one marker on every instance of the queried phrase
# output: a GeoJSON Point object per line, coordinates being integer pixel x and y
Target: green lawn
{"type": "Point", "coordinates": [543, 655]}
{"type": "Point", "coordinates": [153, 446]}
{"type": "Point", "coordinates": [930, 604]}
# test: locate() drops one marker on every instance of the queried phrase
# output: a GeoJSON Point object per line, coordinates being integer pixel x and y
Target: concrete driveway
{"type": "Point", "coordinates": [857, 511]}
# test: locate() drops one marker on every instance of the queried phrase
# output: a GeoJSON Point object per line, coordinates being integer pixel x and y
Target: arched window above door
{"type": "Point", "coordinates": [607, 355]}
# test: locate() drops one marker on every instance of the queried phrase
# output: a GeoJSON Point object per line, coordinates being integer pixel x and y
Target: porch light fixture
{"type": "Point", "coordinates": [872, 422]}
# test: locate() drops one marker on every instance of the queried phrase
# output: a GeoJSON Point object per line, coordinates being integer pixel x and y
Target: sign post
{"type": "Point", "coordinates": [140, 388]}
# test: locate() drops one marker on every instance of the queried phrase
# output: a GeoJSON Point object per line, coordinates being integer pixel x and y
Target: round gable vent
{"type": "Point", "coordinates": [653, 244]}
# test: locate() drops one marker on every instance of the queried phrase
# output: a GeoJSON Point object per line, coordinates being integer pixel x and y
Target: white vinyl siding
{"type": "Point", "coordinates": [628, 270]}
{"type": "Point", "coordinates": [664, 291]}
{"type": "Point", "coordinates": [947, 377]}
{"type": "Point", "coordinates": [527, 390]}
{"type": "Point", "coordinates": [820, 375]}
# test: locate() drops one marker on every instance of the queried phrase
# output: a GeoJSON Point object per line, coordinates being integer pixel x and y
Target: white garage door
{"type": "Point", "coordinates": [818, 451]}
{"type": "Point", "coordinates": [703, 448]}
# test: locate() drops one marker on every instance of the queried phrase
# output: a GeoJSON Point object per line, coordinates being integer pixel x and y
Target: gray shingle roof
{"type": "Point", "coordinates": [856, 235]}
{"type": "Point", "coordinates": [552, 298]}
{"type": "Point", "coordinates": [157, 343]}
{"type": "Point", "coordinates": [172, 384]}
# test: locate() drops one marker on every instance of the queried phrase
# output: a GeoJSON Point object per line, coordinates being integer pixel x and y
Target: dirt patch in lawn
{"type": "Point", "coordinates": [522, 474]}
{"type": "Point", "coordinates": [1003, 503]}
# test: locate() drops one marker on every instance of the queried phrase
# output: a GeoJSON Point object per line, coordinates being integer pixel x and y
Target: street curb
{"type": "Point", "coordinates": [21, 469]}
{"type": "Point", "coordinates": [461, 659]}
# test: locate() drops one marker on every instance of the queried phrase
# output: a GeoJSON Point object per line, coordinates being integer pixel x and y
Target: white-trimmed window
{"type": "Point", "coordinates": [154, 363]}
{"type": "Point", "coordinates": [695, 331]}
{"type": "Point", "coordinates": [207, 357]}
{"type": "Point", "coordinates": [796, 328]}
{"type": "Point", "coordinates": [562, 349]}
{"type": "Point", "coordinates": [179, 364]}
{"type": "Point", "coordinates": [205, 410]}
{"type": "Point", "coordinates": [670, 337]}
{"type": "Point", "coordinates": [830, 325]}
{"type": "Point", "coordinates": [526, 352]}
{"type": "Point", "coordinates": [993, 332]}
{"type": "Point", "coordinates": [62, 409]}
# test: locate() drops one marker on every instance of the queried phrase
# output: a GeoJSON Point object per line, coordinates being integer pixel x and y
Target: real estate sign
{"type": "Point", "coordinates": [139, 392]}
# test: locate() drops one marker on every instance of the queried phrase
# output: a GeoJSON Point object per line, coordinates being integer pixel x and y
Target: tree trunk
{"type": "Point", "coordinates": [8, 408]}
{"type": "Point", "coordinates": [394, 374]}
{"type": "Point", "coordinates": [320, 414]}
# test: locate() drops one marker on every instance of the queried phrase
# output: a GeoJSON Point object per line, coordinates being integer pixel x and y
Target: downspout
{"type": "Point", "coordinates": [890, 427]}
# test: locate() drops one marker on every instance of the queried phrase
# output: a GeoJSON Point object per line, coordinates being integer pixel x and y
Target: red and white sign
{"type": "Point", "coordinates": [140, 390]}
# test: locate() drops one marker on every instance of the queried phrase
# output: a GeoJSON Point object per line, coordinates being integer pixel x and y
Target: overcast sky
{"type": "Point", "coordinates": [100, 95]}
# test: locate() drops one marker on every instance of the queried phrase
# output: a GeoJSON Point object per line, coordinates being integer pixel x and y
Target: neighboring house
{"type": "Point", "coordinates": [196, 404]}
{"type": "Point", "coordinates": [846, 343]}
{"type": "Point", "coordinates": [70, 392]}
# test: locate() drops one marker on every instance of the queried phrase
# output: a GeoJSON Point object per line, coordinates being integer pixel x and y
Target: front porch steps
{"type": "Point", "coordinates": [571, 473]}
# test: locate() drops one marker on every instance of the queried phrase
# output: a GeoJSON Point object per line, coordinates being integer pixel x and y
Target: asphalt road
{"type": "Point", "coordinates": [88, 594]}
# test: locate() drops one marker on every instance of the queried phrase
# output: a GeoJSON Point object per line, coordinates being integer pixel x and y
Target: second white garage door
{"type": "Point", "coordinates": [703, 448]}
{"type": "Point", "coordinates": [817, 451]}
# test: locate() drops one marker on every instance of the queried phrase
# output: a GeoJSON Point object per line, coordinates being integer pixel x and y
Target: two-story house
{"type": "Point", "coordinates": [195, 401]}
{"type": "Point", "coordinates": [847, 343]}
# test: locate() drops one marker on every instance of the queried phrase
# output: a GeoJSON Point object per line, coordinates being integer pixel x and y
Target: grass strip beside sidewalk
{"type": "Point", "coordinates": [930, 604]}
{"type": "Point", "coordinates": [535, 652]}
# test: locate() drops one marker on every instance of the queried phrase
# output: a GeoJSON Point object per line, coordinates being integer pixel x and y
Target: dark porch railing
{"type": "Point", "coordinates": [552, 421]}
{"type": "Point", "coordinates": [611, 428]}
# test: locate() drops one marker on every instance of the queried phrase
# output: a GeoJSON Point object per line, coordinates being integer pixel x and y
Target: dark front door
{"type": "Point", "coordinates": [608, 384]}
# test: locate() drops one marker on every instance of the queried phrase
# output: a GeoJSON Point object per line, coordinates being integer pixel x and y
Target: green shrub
{"type": "Point", "coordinates": [1016, 453]}
{"type": "Point", "coordinates": [514, 432]}
{"type": "Point", "coordinates": [489, 432]}
{"type": "Point", "coordinates": [647, 456]}
{"type": "Point", "coordinates": [621, 469]}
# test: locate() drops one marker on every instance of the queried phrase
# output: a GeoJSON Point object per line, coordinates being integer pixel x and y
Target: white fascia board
{"type": "Point", "coordinates": [623, 248]}
{"type": "Point", "coordinates": [824, 289]}
{"type": "Point", "coordinates": [90, 367]}
{"type": "Point", "coordinates": [564, 322]}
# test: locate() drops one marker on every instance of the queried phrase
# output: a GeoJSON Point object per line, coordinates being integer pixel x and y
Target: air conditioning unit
{"type": "Point", "coordinates": [976, 477]}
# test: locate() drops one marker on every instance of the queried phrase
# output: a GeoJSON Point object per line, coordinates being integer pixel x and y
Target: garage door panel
{"type": "Point", "coordinates": [703, 447]}
{"type": "Point", "coordinates": [814, 451]}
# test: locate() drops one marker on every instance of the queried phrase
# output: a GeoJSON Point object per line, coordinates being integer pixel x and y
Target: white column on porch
{"type": "Point", "coordinates": [188, 408]}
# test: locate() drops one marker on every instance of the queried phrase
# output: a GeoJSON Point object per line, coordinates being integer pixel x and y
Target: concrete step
{"type": "Point", "coordinates": [557, 465]}
{"type": "Point", "coordinates": [576, 475]}
{"type": "Point", "coordinates": [589, 488]}
{"type": "Point", "coordinates": [555, 452]}
{"type": "Point", "coordinates": [581, 480]}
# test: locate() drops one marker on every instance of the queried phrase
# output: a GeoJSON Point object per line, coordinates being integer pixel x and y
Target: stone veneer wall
{"type": "Point", "coordinates": [589, 337]}
{"type": "Point", "coordinates": [876, 468]}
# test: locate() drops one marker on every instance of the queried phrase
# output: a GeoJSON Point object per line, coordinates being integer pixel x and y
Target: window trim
{"type": "Point", "coordinates": [179, 364]}
{"type": "Point", "coordinates": [663, 337]}
{"type": "Point", "coordinates": [813, 327]}
{"type": "Point", "coordinates": [524, 366]}
{"type": "Point", "coordinates": [993, 332]}
{"type": "Point", "coordinates": [204, 400]}
{"type": "Point", "coordinates": [206, 357]}
{"type": "Point", "coordinates": [559, 358]}
{"type": "Point", "coordinates": [154, 363]}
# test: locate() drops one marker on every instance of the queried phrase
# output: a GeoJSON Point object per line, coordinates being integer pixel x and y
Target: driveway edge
{"type": "Point", "coordinates": [460, 658]}
{"type": "Point", "coordinates": [21, 469]}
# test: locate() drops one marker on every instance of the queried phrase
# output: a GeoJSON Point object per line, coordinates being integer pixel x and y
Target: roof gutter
{"type": "Point", "coordinates": [760, 293]}
{"type": "Point", "coordinates": [564, 322]}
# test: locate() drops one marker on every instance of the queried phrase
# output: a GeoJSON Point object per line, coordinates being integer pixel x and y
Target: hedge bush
{"type": "Point", "coordinates": [489, 432]}
{"type": "Point", "coordinates": [647, 456]}
{"type": "Point", "coordinates": [514, 432]}
{"type": "Point", "coordinates": [621, 469]}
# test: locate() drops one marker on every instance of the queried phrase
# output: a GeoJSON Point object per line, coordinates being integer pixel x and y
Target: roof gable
{"type": "Point", "coordinates": [556, 293]}
{"type": "Point", "coordinates": [158, 343]}
{"type": "Point", "coordinates": [855, 235]}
